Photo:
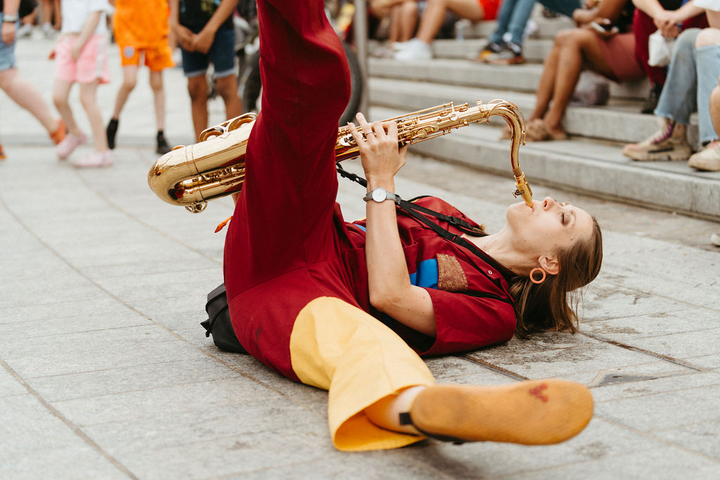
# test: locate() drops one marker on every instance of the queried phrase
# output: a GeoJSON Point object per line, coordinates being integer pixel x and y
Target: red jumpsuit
{"type": "Point", "coordinates": [295, 271]}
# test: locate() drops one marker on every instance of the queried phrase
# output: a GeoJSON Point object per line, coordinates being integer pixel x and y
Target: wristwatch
{"type": "Point", "coordinates": [10, 18]}
{"type": "Point", "coordinates": [379, 195]}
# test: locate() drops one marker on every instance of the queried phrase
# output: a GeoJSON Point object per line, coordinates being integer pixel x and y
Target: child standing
{"type": "Point", "coordinates": [81, 56]}
{"type": "Point", "coordinates": [141, 30]}
{"type": "Point", "coordinates": [204, 30]}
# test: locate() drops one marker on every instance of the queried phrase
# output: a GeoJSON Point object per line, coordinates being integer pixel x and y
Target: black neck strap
{"type": "Point", "coordinates": [415, 211]}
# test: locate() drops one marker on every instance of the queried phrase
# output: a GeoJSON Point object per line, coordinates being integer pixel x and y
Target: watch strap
{"type": "Point", "coordinates": [388, 196]}
{"type": "Point", "coordinates": [10, 18]}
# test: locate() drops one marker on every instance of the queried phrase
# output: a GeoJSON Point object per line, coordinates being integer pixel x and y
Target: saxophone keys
{"type": "Point", "coordinates": [211, 133]}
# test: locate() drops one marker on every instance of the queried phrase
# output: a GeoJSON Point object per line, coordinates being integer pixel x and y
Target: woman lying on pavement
{"type": "Point", "coordinates": [334, 305]}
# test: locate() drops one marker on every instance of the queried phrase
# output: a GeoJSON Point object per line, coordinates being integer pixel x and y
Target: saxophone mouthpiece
{"type": "Point", "coordinates": [522, 189]}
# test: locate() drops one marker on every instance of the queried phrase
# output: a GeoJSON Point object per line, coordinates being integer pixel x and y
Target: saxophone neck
{"type": "Point", "coordinates": [516, 122]}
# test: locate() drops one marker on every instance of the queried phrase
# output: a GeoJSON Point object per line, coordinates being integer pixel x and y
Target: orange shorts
{"type": "Point", "coordinates": [490, 8]}
{"type": "Point", "coordinates": [156, 58]}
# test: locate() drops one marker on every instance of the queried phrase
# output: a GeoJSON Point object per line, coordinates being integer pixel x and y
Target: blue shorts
{"type": "Point", "coordinates": [221, 55]}
{"type": "Point", "coordinates": [7, 52]}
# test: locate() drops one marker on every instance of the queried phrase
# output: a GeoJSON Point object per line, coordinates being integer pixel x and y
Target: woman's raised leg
{"type": "Point", "coordinates": [284, 214]}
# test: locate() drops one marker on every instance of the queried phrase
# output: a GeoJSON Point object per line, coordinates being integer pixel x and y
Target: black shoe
{"type": "Point", "coordinates": [162, 145]}
{"type": "Point", "coordinates": [111, 132]}
{"type": "Point", "coordinates": [490, 49]}
{"type": "Point", "coordinates": [510, 55]}
{"type": "Point", "coordinates": [651, 103]}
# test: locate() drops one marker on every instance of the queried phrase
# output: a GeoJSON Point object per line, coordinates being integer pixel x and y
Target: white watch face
{"type": "Point", "coordinates": [379, 195]}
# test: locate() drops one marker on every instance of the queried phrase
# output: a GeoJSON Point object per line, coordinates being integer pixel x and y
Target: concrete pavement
{"type": "Point", "coordinates": [105, 371]}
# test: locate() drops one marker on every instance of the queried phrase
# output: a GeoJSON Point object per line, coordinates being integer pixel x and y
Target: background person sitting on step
{"type": "Point", "coordinates": [670, 17]}
{"type": "Point", "coordinates": [432, 20]}
{"type": "Point", "coordinates": [604, 44]}
{"type": "Point", "coordinates": [693, 74]}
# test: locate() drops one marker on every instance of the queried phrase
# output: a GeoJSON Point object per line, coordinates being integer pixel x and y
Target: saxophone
{"type": "Point", "coordinates": [215, 167]}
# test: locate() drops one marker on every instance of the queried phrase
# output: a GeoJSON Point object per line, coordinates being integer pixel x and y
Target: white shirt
{"type": "Point", "coordinates": [713, 5]}
{"type": "Point", "coordinates": [75, 12]}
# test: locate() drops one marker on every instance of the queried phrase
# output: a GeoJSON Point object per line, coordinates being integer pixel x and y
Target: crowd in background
{"type": "Point", "coordinates": [611, 38]}
{"type": "Point", "coordinates": [146, 32]}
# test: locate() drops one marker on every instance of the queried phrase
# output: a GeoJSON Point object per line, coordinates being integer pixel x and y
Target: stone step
{"type": "Point", "coordinates": [523, 78]}
{"type": "Point", "coordinates": [618, 122]}
{"type": "Point", "coordinates": [579, 165]}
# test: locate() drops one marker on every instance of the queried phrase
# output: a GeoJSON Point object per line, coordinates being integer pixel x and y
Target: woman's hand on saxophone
{"type": "Point", "coordinates": [378, 145]}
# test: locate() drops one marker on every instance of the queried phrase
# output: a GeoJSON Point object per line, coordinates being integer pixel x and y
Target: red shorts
{"type": "Point", "coordinates": [490, 8]}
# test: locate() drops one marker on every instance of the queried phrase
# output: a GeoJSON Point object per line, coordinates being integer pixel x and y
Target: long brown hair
{"type": "Point", "coordinates": [547, 306]}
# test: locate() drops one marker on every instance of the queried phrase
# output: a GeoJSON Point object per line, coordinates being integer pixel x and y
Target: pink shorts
{"type": "Point", "coordinates": [92, 64]}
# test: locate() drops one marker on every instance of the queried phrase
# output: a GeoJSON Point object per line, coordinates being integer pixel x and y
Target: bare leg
{"type": "Point", "coordinates": [386, 412]}
{"type": "Point", "coordinates": [408, 17]}
{"type": "Point", "coordinates": [434, 15]}
{"type": "Point", "coordinates": [395, 17]}
{"type": "Point", "coordinates": [128, 84]}
{"type": "Point", "coordinates": [197, 88]}
{"type": "Point", "coordinates": [228, 89]}
{"type": "Point", "coordinates": [88, 98]}
{"type": "Point", "coordinates": [46, 9]}
{"type": "Point", "coordinates": [156, 83]}
{"type": "Point", "coordinates": [580, 47]}
{"type": "Point", "coordinates": [61, 93]}
{"type": "Point", "coordinates": [58, 17]}
{"type": "Point", "coordinates": [547, 79]}
{"type": "Point", "coordinates": [28, 97]}
{"type": "Point", "coordinates": [381, 8]}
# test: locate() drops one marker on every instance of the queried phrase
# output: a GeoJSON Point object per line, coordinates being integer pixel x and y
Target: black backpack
{"type": "Point", "coordinates": [218, 323]}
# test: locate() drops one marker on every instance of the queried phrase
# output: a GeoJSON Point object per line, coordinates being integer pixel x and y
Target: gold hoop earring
{"type": "Point", "coordinates": [532, 275]}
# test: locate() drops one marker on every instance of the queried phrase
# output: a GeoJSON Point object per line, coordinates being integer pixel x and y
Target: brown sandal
{"type": "Point", "coordinates": [539, 131]}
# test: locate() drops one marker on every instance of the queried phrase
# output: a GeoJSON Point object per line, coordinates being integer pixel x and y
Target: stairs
{"type": "Point", "coordinates": [590, 161]}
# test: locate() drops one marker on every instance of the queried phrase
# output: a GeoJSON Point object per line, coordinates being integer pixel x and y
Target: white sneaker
{"type": "Point", "coordinates": [95, 159]}
{"type": "Point", "coordinates": [397, 46]}
{"type": "Point", "coordinates": [414, 50]}
{"type": "Point", "coordinates": [707, 159]}
{"type": "Point", "coordinates": [67, 146]}
{"type": "Point", "coordinates": [715, 239]}
{"type": "Point", "coordinates": [25, 31]}
{"type": "Point", "coordinates": [48, 31]}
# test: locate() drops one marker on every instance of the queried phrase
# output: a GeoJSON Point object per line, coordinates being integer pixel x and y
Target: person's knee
{"type": "Point", "coordinates": [562, 37]}
{"type": "Point", "coordinates": [227, 87]}
{"type": "Point", "coordinates": [715, 100]}
{"type": "Point", "coordinates": [409, 8]}
{"type": "Point", "coordinates": [60, 100]}
{"type": "Point", "coordinates": [156, 83]}
{"type": "Point", "coordinates": [87, 99]}
{"type": "Point", "coordinates": [129, 83]}
{"type": "Point", "coordinates": [6, 78]}
{"type": "Point", "coordinates": [437, 3]}
{"type": "Point", "coordinates": [686, 40]}
{"type": "Point", "coordinates": [197, 88]}
{"type": "Point", "coordinates": [707, 37]}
